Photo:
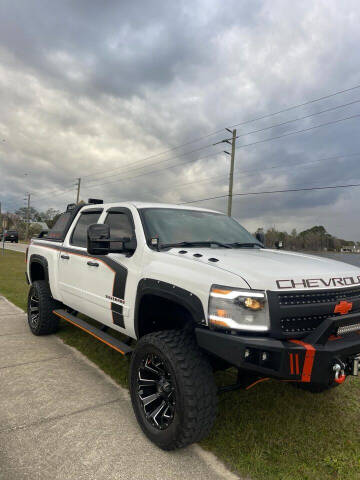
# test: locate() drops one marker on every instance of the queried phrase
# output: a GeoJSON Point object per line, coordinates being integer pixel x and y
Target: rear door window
{"type": "Point", "coordinates": [59, 229]}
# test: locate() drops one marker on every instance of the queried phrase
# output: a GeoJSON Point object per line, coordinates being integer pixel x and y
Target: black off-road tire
{"type": "Point", "coordinates": [194, 388]}
{"type": "Point", "coordinates": [46, 322]}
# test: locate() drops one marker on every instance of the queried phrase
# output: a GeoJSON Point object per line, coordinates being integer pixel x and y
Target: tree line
{"type": "Point", "coordinates": [18, 220]}
{"type": "Point", "coordinates": [314, 239]}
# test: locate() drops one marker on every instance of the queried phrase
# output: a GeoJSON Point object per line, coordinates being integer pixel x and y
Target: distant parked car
{"type": "Point", "coordinates": [10, 236]}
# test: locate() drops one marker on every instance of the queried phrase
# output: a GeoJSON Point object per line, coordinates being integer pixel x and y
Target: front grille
{"type": "Point", "coordinates": [318, 297]}
{"type": "Point", "coordinates": [295, 314]}
{"type": "Point", "coordinates": [302, 324]}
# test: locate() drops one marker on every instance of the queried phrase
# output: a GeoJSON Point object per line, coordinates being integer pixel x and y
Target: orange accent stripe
{"type": "Point", "coordinates": [309, 360]}
{"type": "Point", "coordinates": [297, 363]}
{"type": "Point", "coordinates": [291, 364]}
{"type": "Point", "coordinates": [333, 337]}
{"type": "Point", "coordinates": [218, 290]}
{"type": "Point", "coordinates": [218, 322]}
{"type": "Point", "coordinates": [255, 383]}
{"type": "Point", "coordinates": [59, 249]}
{"type": "Point", "coordinates": [88, 331]}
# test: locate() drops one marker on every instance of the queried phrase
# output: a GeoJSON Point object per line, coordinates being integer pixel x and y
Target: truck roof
{"type": "Point", "coordinates": [138, 204]}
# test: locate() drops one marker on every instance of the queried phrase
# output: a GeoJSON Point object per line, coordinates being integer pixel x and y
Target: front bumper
{"type": "Point", "coordinates": [310, 359]}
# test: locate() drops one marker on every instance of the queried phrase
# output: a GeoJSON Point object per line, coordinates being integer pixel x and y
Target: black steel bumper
{"type": "Point", "coordinates": [310, 359]}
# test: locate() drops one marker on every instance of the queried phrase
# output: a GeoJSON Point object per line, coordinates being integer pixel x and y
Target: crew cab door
{"type": "Point", "coordinates": [74, 271]}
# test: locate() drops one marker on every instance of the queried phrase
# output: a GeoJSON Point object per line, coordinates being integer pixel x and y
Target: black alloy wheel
{"type": "Point", "coordinates": [156, 391]}
{"type": "Point", "coordinates": [34, 309]}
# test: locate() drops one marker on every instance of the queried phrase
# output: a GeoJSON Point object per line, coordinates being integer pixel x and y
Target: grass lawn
{"type": "Point", "coordinates": [273, 431]}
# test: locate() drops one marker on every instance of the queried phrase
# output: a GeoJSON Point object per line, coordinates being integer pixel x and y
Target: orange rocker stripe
{"type": "Point", "coordinates": [91, 333]}
{"type": "Point", "coordinates": [309, 360]}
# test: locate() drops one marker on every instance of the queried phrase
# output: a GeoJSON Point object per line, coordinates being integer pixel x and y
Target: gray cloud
{"type": "Point", "coordinates": [93, 87]}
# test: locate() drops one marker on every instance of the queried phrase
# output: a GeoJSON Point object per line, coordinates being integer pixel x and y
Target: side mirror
{"type": "Point", "coordinates": [98, 239]}
{"type": "Point", "coordinates": [261, 237]}
{"type": "Point", "coordinates": [43, 233]}
{"type": "Point", "coordinates": [279, 244]}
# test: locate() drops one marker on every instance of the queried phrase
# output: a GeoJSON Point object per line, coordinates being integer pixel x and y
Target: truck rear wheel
{"type": "Point", "coordinates": [40, 307]}
{"type": "Point", "coordinates": [172, 389]}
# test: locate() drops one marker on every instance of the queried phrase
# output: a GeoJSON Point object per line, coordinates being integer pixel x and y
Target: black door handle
{"type": "Point", "coordinates": [65, 257]}
{"type": "Point", "coordinates": [93, 264]}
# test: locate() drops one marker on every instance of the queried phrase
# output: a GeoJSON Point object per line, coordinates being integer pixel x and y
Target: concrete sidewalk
{"type": "Point", "coordinates": [62, 418]}
{"type": "Point", "coordinates": [16, 247]}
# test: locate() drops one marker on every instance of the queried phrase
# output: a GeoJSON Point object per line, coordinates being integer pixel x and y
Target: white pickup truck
{"type": "Point", "coordinates": [197, 292]}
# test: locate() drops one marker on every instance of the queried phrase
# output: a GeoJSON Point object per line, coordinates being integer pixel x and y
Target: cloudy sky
{"type": "Point", "coordinates": [107, 91]}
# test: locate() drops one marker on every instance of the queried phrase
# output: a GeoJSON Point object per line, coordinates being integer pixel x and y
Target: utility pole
{"type": "Point", "coordinates": [231, 141]}
{"type": "Point", "coordinates": [28, 195]}
{"type": "Point", "coordinates": [231, 177]}
{"type": "Point", "coordinates": [78, 190]}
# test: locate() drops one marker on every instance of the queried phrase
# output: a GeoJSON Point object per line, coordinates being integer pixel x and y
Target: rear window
{"type": "Point", "coordinates": [59, 229]}
{"type": "Point", "coordinates": [12, 231]}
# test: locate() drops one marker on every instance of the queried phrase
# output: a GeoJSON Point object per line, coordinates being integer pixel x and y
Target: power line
{"type": "Point", "coordinates": [296, 106]}
{"type": "Point", "coordinates": [57, 192]}
{"type": "Point", "coordinates": [239, 146]}
{"type": "Point", "coordinates": [215, 177]}
{"type": "Point", "coordinates": [237, 124]}
{"type": "Point", "coordinates": [300, 131]}
{"type": "Point", "coordinates": [274, 191]}
{"type": "Point", "coordinates": [95, 185]}
{"type": "Point", "coordinates": [298, 119]}
{"type": "Point", "coordinates": [256, 170]}
{"type": "Point", "coordinates": [156, 163]}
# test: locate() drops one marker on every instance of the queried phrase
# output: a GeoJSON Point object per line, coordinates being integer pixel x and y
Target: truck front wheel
{"type": "Point", "coordinates": [172, 389]}
{"type": "Point", "coordinates": [40, 307]}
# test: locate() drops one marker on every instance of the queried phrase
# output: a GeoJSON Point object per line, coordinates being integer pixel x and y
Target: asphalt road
{"type": "Point", "coordinates": [62, 418]}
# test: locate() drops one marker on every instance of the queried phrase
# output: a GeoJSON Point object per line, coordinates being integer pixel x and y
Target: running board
{"type": "Point", "coordinates": [112, 342]}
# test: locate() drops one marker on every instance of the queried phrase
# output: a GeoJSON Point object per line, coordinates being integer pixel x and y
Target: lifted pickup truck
{"type": "Point", "coordinates": [198, 293]}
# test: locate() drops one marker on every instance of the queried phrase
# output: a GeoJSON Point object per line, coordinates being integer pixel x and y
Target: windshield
{"type": "Point", "coordinates": [172, 225]}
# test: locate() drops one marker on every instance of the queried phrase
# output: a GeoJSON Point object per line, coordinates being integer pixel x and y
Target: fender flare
{"type": "Point", "coordinates": [186, 299]}
{"type": "Point", "coordinates": [34, 258]}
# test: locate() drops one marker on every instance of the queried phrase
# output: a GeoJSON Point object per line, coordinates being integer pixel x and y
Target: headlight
{"type": "Point", "coordinates": [233, 309]}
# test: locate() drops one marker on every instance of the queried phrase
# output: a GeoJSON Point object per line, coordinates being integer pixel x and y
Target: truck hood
{"type": "Point", "coordinates": [266, 269]}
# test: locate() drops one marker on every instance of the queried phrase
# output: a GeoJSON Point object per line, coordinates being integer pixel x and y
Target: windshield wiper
{"type": "Point", "coordinates": [195, 244]}
{"type": "Point", "coordinates": [245, 245]}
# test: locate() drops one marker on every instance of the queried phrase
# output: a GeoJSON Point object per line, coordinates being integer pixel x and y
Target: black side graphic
{"type": "Point", "coordinates": [119, 280]}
